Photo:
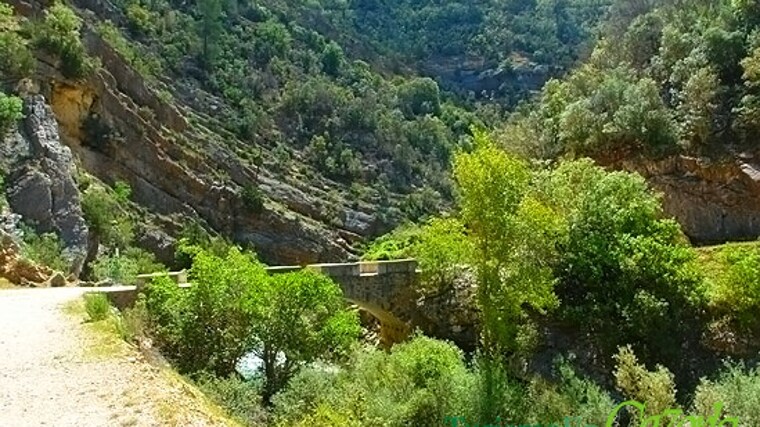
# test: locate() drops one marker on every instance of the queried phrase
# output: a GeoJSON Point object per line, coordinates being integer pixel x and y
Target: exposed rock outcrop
{"type": "Point", "coordinates": [120, 129]}
{"type": "Point", "coordinates": [714, 201]}
{"type": "Point", "coordinates": [40, 184]}
{"type": "Point", "coordinates": [451, 314]}
{"type": "Point", "coordinates": [21, 271]}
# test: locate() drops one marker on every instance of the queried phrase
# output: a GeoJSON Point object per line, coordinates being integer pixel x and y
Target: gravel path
{"type": "Point", "coordinates": [54, 371]}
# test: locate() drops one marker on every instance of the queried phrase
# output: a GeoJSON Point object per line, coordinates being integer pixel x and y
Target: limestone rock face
{"type": "Point", "coordinates": [451, 314]}
{"type": "Point", "coordinates": [40, 185]}
{"type": "Point", "coordinates": [714, 201]}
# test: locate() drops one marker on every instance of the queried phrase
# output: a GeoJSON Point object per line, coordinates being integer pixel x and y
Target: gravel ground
{"type": "Point", "coordinates": [57, 371]}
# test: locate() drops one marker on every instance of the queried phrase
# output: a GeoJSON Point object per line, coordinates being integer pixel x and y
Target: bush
{"type": "Point", "coordinates": [11, 108]}
{"type": "Point", "coordinates": [397, 244]}
{"type": "Point", "coordinates": [119, 268]}
{"type": "Point", "coordinates": [58, 33]}
{"type": "Point", "coordinates": [419, 382]}
{"type": "Point", "coordinates": [737, 388]}
{"type": "Point", "coordinates": [299, 318]}
{"type": "Point", "coordinates": [737, 288]}
{"type": "Point", "coordinates": [621, 260]}
{"type": "Point", "coordinates": [97, 306]}
{"type": "Point", "coordinates": [208, 326]}
{"type": "Point", "coordinates": [16, 59]}
{"type": "Point", "coordinates": [656, 389]}
{"type": "Point", "coordinates": [133, 323]}
{"type": "Point", "coordinates": [253, 198]}
{"type": "Point", "coordinates": [241, 398]}
{"type": "Point", "coordinates": [106, 216]}
{"type": "Point", "coordinates": [45, 249]}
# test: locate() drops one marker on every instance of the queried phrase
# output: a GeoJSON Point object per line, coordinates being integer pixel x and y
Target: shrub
{"type": "Point", "coordinates": [253, 198]}
{"type": "Point", "coordinates": [16, 59]}
{"type": "Point", "coordinates": [572, 396]}
{"type": "Point", "coordinates": [97, 306]}
{"type": "Point", "coordinates": [208, 326]}
{"type": "Point", "coordinates": [299, 318]}
{"type": "Point", "coordinates": [45, 249]}
{"type": "Point", "coordinates": [655, 389]}
{"type": "Point", "coordinates": [241, 398]}
{"type": "Point", "coordinates": [419, 382]}
{"type": "Point", "coordinates": [132, 325]}
{"type": "Point", "coordinates": [119, 268]}
{"type": "Point", "coordinates": [397, 244]}
{"type": "Point", "coordinates": [11, 108]}
{"type": "Point", "coordinates": [58, 33]}
{"type": "Point", "coordinates": [737, 388]}
{"type": "Point", "coordinates": [106, 216]}
{"type": "Point", "coordinates": [621, 260]}
{"type": "Point", "coordinates": [737, 288]}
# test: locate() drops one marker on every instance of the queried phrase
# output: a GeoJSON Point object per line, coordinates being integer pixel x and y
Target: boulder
{"type": "Point", "coordinates": [56, 280]}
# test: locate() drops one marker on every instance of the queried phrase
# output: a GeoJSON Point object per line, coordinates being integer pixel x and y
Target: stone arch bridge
{"type": "Point", "coordinates": [384, 289]}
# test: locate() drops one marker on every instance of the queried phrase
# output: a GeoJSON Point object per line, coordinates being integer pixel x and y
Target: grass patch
{"type": "Point", "coordinates": [191, 398]}
{"type": "Point", "coordinates": [103, 338]}
{"type": "Point", "coordinates": [97, 306]}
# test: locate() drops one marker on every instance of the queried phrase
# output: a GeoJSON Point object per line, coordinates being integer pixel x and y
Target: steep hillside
{"type": "Point", "coordinates": [671, 92]}
{"type": "Point", "coordinates": [258, 128]}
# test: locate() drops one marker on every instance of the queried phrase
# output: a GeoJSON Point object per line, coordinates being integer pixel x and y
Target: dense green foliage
{"type": "Point", "coordinates": [290, 90]}
{"type": "Point", "coordinates": [10, 112]}
{"type": "Point", "coordinates": [59, 33]}
{"type": "Point", "coordinates": [44, 249]}
{"type": "Point", "coordinates": [663, 79]}
{"type": "Point", "coordinates": [511, 37]}
{"type": "Point", "coordinates": [16, 58]}
{"type": "Point", "coordinates": [514, 237]}
{"type": "Point", "coordinates": [234, 308]}
{"type": "Point", "coordinates": [624, 273]}
{"type": "Point", "coordinates": [424, 381]}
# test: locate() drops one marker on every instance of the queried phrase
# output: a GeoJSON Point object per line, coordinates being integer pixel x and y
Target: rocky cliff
{"type": "Point", "coordinates": [40, 183]}
{"type": "Point", "coordinates": [715, 201]}
{"type": "Point", "coordinates": [119, 129]}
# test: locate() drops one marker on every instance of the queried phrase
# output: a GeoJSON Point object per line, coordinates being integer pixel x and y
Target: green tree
{"type": "Point", "coordinates": [625, 272]}
{"type": "Point", "coordinates": [514, 238]}
{"type": "Point", "coordinates": [697, 107]}
{"type": "Point", "coordinates": [419, 96]}
{"type": "Point", "coordinates": [298, 318]}
{"type": "Point", "coordinates": [209, 30]}
{"type": "Point", "coordinates": [208, 326]}
{"type": "Point", "coordinates": [442, 251]}
{"type": "Point", "coordinates": [332, 59]}
{"type": "Point", "coordinates": [272, 40]}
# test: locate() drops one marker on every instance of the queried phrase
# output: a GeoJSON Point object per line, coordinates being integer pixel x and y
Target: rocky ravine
{"type": "Point", "coordinates": [117, 128]}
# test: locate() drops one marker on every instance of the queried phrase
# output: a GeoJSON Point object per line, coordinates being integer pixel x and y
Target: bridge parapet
{"type": "Point", "coordinates": [404, 266]}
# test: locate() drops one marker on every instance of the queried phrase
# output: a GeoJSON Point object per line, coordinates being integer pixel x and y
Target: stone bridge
{"type": "Point", "coordinates": [384, 289]}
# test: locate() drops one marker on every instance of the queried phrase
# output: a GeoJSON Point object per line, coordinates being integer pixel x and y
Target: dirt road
{"type": "Point", "coordinates": [57, 371]}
